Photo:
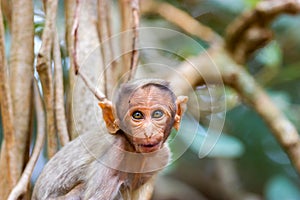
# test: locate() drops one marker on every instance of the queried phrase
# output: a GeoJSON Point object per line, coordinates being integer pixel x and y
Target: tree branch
{"type": "Point", "coordinates": [126, 40]}
{"type": "Point", "coordinates": [74, 33]}
{"type": "Point", "coordinates": [252, 94]}
{"type": "Point", "coordinates": [251, 30]}
{"type": "Point", "coordinates": [246, 86]}
{"type": "Point", "coordinates": [99, 95]}
{"type": "Point", "coordinates": [181, 19]}
{"type": "Point", "coordinates": [233, 75]}
{"type": "Point", "coordinates": [60, 114]}
{"type": "Point", "coordinates": [22, 186]}
{"type": "Point", "coordinates": [105, 32]}
{"type": "Point", "coordinates": [8, 128]}
{"type": "Point", "coordinates": [135, 9]}
{"type": "Point", "coordinates": [21, 78]}
{"type": "Point", "coordinates": [45, 73]}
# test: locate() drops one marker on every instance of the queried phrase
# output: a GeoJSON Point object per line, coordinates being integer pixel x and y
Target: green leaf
{"type": "Point", "coordinates": [251, 3]}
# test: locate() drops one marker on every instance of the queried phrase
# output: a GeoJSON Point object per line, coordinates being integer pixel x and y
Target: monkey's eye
{"type": "Point", "coordinates": [157, 114]}
{"type": "Point", "coordinates": [137, 115]}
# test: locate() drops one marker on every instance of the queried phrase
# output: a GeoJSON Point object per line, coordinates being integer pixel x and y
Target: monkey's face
{"type": "Point", "coordinates": [145, 112]}
{"type": "Point", "coordinates": [149, 119]}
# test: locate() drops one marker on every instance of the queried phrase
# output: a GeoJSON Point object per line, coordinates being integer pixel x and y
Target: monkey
{"type": "Point", "coordinates": [122, 161]}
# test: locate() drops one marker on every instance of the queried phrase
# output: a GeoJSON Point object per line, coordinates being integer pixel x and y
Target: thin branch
{"type": "Point", "coordinates": [74, 33]}
{"type": "Point", "coordinates": [7, 111]}
{"type": "Point", "coordinates": [22, 186]}
{"type": "Point", "coordinates": [99, 95]}
{"type": "Point", "coordinates": [70, 7]}
{"type": "Point", "coordinates": [60, 114]}
{"type": "Point", "coordinates": [113, 68]}
{"type": "Point", "coordinates": [250, 31]}
{"type": "Point", "coordinates": [105, 32]}
{"type": "Point", "coordinates": [102, 32]}
{"type": "Point", "coordinates": [45, 73]}
{"type": "Point", "coordinates": [109, 26]}
{"type": "Point", "coordinates": [181, 19]}
{"type": "Point", "coordinates": [126, 40]}
{"type": "Point", "coordinates": [136, 23]}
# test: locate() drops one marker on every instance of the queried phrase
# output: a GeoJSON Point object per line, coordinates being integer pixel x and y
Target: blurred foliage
{"type": "Point", "coordinates": [263, 157]}
{"type": "Point", "coordinates": [226, 146]}
{"type": "Point", "coordinates": [280, 187]}
{"type": "Point", "coordinates": [262, 165]}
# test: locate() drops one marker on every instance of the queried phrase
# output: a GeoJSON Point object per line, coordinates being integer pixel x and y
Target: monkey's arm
{"type": "Point", "coordinates": [68, 167]}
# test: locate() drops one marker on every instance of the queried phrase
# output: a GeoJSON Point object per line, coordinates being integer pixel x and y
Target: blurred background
{"type": "Point", "coordinates": [246, 162]}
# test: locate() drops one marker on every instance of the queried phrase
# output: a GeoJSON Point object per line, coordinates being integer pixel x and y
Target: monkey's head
{"type": "Point", "coordinates": [146, 111]}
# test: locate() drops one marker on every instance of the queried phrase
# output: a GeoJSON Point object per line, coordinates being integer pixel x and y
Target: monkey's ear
{"type": "Point", "coordinates": [108, 116]}
{"type": "Point", "coordinates": [181, 107]}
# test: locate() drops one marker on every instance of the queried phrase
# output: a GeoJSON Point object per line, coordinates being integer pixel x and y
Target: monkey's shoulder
{"type": "Point", "coordinates": [69, 166]}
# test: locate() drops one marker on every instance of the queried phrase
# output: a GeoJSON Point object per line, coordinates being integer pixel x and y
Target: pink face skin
{"type": "Point", "coordinates": [149, 117]}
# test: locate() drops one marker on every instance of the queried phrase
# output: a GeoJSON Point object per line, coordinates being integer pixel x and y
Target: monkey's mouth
{"type": "Point", "coordinates": [148, 147]}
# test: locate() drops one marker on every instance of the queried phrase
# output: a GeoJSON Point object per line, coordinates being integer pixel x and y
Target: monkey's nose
{"type": "Point", "coordinates": [148, 131]}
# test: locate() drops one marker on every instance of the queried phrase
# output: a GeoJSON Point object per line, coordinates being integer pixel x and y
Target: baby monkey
{"type": "Point", "coordinates": [122, 164]}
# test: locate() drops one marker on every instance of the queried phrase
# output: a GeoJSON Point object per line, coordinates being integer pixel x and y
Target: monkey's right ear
{"type": "Point", "coordinates": [108, 116]}
{"type": "Point", "coordinates": [181, 107]}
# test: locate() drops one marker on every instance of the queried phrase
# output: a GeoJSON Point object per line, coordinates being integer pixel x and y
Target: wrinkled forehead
{"type": "Point", "coordinates": [150, 96]}
{"type": "Point", "coordinates": [145, 96]}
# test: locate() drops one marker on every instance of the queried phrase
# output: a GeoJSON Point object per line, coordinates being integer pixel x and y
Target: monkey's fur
{"type": "Point", "coordinates": [121, 164]}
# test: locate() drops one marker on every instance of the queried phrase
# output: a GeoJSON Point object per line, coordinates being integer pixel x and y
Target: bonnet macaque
{"type": "Point", "coordinates": [121, 164]}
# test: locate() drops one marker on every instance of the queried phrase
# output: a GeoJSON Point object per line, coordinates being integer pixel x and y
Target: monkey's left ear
{"type": "Point", "coordinates": [181, 107]}
{"type": "Point", "coordinates": [108, 116]}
